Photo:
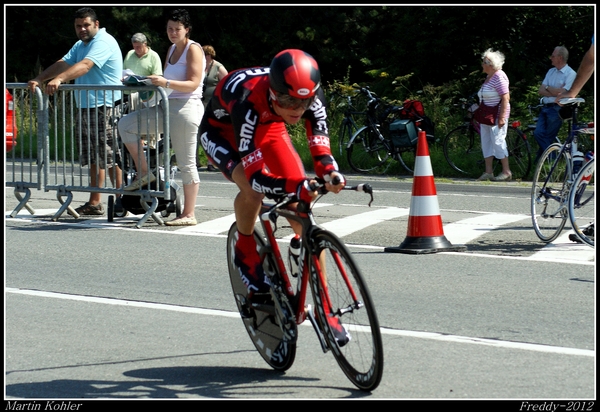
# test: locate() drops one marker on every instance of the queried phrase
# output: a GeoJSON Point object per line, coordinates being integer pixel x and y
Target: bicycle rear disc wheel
{"type": "Point", "coordinates": [462, 150]}
{"type": "Point", "coordinates": [367, 151]}
{"type": "Point", "coordinates": [346, 296]}
{"type": "Point", "coordinates": [582, 204]}
{"type": "Point", "coordinates": [262, 327]}
{"type": "Point", "coordinates": [519, 153]}
{"type": "Point", "coordinates": [550, 194]}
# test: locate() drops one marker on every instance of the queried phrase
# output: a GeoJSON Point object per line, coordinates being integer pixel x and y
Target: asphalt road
{"type": "Point", "coordinates": [104, 310]}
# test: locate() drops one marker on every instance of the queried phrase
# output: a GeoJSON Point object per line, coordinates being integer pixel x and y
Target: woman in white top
{"type": "Point", "coordinates": [183, 75]}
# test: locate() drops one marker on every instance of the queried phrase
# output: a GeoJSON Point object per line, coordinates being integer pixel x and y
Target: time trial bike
{"type": "Point", "coordinates": [338, 290]}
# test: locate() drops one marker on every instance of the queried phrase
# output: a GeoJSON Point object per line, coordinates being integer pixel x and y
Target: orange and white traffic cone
{"type": "Point", "coordinates": [425, 231]}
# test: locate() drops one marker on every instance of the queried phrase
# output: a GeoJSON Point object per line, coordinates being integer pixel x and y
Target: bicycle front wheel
{"type": "Point", "coordinates": [519, 153]}
{"type": "Point", "coordinates": [341, 294]}
{"type": "Point", "coordinates": [582, 205]}
{"type": "Point", "coordinates": [462, 150]}
{"type": "Point", "coordinates": [367, 151]}
{"type": "Point", "coordinates": [263, 327]}
{"type": "Point", "coordinates": [550, 193]}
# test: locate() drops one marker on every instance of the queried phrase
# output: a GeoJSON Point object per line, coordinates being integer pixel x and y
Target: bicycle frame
{"type": "Point", "coordinates": [553, 181]}
{"type": "Point", "coordinates": [268, 219]}
{"type": "Point", "coordinates": [348, 125]}
{"type": "Point", "coordinates": [568, 148]}
{"type": "Point", "coordinates": [302, 213]}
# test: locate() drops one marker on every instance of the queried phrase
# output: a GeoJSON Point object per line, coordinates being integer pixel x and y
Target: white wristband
{"type": "Point", "coordinates": [168, 83]}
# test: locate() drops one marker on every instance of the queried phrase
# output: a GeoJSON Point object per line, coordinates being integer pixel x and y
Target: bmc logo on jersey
{"type": "Point", "coordinates": [303, 92]}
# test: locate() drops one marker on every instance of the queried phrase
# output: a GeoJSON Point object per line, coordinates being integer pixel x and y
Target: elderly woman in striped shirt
{"type": "Point", "coordinates": [494, 92]}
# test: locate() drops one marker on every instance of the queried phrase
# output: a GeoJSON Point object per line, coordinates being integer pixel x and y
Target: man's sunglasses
{"type": "Point", "coordinates": [285, 101]}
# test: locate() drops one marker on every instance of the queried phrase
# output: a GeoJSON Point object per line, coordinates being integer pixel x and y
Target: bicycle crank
{"type": "Point", "coordinates": [310, 315]}
{"type": "Point", "coordinates": [285, 315]}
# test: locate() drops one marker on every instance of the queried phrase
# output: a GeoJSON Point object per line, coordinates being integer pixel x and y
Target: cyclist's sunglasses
{"type": "Point", "coordinates": [285, 101]}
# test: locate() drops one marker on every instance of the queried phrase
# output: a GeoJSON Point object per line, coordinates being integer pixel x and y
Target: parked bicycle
{"type": "Point", "coordinates": [349, 103]}
{"type": "Point", "coordinates": [391, 132]}
{"type": "Point", "coordinates": [462, 146]}
{"type": "Point", "coordinates": [338, 290]}
{"type": "Point", "coordinates": [554, 176]}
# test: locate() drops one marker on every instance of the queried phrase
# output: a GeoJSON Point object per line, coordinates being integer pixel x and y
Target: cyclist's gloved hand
{"type": "Point", "coordinates": [304, 192]}
{"type": "Point", "coordinates": [334, 182]}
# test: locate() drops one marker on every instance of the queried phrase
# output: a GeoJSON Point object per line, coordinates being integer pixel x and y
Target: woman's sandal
{"type": "Point", "coordinates": [183, 221]}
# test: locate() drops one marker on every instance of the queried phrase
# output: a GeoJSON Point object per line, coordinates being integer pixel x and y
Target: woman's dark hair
{"type": "Point", "coordinates": [84, 12]}
{"type": "Point", "coordinates": [182, 16]}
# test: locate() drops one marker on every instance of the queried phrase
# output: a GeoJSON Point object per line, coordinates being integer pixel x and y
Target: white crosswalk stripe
{"type": "Point", "coordinates": [466, 230]}
{"type": "Point", "coordinates": [458, 233]}
{"type": "Point", "coordinates": [350, 224]}
{"type": "Point", "coordinates": [563, 249]}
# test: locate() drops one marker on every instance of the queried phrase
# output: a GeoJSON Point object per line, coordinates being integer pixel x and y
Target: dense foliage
{"type": "Point", "coordinates": [426, 52]}
{"type": "Point", "coordinates": [436, 43]}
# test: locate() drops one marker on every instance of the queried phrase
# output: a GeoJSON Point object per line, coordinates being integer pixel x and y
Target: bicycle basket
{"type": "Point", "coordinates": [403, 133]}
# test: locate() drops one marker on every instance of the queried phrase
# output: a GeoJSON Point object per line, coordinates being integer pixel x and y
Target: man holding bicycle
{"type": "Point", "coordinates": [558, 80]}
{"type": "Point", "coordinates": [244, 134]}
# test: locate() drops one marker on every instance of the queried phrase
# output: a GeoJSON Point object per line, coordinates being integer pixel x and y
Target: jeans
{"type": "Point", "coordinates": [548, 125]}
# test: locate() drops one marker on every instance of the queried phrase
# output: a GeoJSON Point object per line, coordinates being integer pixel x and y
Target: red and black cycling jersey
{"type": "Point", "coordinates": [240, 111]}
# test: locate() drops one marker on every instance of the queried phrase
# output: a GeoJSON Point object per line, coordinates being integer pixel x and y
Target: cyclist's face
{"type": "Point", "coordinates": [290, 108]}
{"type": "Point", "coordinates": [290, 116]}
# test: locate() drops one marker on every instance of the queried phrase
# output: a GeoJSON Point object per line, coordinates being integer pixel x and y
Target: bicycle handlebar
{"type": "Point", "coordinates": [320, 188]}
{"type": "Point", "coordinates": [362, 187]}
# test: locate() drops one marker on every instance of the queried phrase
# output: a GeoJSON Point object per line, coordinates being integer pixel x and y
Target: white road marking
{"type": "Point", "coordinates": [386, 331]}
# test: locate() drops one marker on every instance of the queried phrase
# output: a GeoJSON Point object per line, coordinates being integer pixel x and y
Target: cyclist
{"type": "Point", "coordinates": [244, 134]}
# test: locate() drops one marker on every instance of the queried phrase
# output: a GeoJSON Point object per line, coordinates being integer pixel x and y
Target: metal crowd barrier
{"type": "Point", "coordinates": [47, 154]}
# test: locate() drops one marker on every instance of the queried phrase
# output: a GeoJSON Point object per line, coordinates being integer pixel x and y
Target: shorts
{"type": "Point", "coordinates": [219, 145]}
{"type": "Point", "coordinates": [279, 156]}
{"type": "Point", "coordinates": [95, 138]}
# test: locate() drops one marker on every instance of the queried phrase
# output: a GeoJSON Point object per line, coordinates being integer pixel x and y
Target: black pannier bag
{"type": "Point", "coordinates": [404, 133]}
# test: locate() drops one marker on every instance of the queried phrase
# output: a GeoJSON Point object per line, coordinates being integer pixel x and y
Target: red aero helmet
{"type": "Point", "coordinates": [295, 73]}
